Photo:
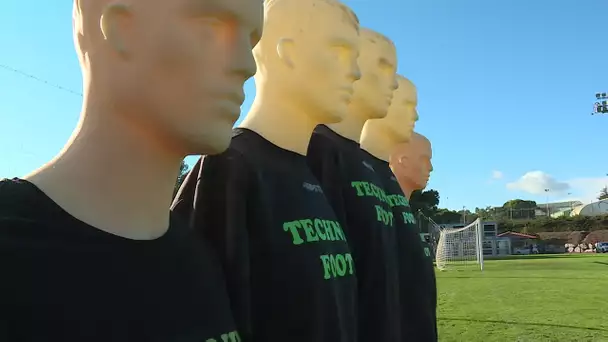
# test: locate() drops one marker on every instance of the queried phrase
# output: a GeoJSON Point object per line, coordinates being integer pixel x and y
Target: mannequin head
{"type": "Point", "coordinates": [402, 114]}
{"type": "Point", "coordinates": [411, 163]}
{"type": "Point", "coordinates": [378, 64]}
{"type": "Point", "coordinates": [308, 56]}
{"type": "Point", "coordinates": [172, 71]}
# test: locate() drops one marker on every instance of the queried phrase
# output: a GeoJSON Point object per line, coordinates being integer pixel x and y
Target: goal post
{"type": "Point", "coordinates": [460, 248]}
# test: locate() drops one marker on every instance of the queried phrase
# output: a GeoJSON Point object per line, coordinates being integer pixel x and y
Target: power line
{"type": "Point", "coordinates": [38, 79]}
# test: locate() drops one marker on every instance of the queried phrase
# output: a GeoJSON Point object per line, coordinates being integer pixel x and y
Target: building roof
{"type": "Point", "coordinates": [594, 208]}
{"type": "Point", "coordinates": [552, 205]}
{"type": "Point", "coordinates": [514, 234]}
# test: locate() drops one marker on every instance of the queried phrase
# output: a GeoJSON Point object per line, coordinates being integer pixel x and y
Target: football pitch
{"type": "Point", "coordinates": [536, 298]}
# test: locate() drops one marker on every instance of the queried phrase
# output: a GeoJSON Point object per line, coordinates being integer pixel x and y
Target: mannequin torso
{"type": "Point", "coordinates": [89, 239]}
{"type": "Point", "coordinates": [289, 269]}
{"type": "Point", "coordinates": [355, 191]}
{"type": "Point", "coordinates": [411, 164]}
{"type": "Point", "coordinates": [274, 217]}
{"type": "Point", "coordinates": [416, 274]}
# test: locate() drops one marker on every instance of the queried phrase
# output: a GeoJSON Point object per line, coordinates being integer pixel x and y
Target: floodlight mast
{"type": "Point", "coordinates": [601, 106]}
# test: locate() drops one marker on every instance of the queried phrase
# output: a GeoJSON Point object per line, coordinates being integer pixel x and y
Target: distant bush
{"type": "Point", "coordinates": [561, 224]}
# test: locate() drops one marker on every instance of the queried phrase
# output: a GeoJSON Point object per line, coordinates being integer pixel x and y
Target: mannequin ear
{"type": "Point", "coordinates": [285, 50]}
{"type": "Point", "coordinates": [110, 23]}
{"type": "Point", "coordinates": [403, 160]}
{"type": "Point", "coordinates": [401, 164]}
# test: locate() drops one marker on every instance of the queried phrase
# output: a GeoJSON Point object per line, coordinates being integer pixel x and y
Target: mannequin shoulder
{"type": "Point", "coordinates": [19, 199]}
{"type": "Point", "coordinates": [229, 160]}
{"type": "Point", "coordinates": [230, 166]}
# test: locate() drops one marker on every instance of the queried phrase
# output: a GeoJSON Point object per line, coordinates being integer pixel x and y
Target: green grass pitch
{"type": "Point", "coordinates": [536, 298]}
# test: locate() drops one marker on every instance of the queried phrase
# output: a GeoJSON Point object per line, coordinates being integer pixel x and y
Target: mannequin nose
{"type": "Point", "coordinates": [395, 85]}
{"type": "Point", "coordinates": [355, 71]}
{"type": "Point", "coordinates": [248, 67]}
{"type": "Point", "coordinates": [244, 64]}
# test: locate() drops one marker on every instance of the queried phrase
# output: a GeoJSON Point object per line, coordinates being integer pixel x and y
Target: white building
{"type": "Point", "coordinates": [555, 207]}
{"type": "Point", "coordinates": [591, 209]}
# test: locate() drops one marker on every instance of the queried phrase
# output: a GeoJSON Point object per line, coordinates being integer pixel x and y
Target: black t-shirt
{"type": "Point", "coordinates": [356, 193]}
{"type": "Point", "coordinates": [418, 289]}
{"type": "Point", "coordinates": [63, 280]}
{"type": "Point", "coordinates": [288, 266]}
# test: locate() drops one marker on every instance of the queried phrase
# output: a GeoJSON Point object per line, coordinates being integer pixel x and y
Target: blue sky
{"type": "Point", "coordinates": [505, 89]}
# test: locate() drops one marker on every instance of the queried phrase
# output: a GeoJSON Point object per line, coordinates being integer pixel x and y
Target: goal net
{"type": "Point", "coordinates": [459, 248]}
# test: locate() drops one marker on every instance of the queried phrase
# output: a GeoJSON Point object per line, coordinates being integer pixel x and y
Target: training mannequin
{"type": "Point", "coordinates": [289, 270]}
{"type": "Point", "coordinates": [411, 164]}
{"type": "Point", "coordinates": [90, 251]}
{"type": "Point", "coordinates": [355, 191]}
{"type": "Point", "coordinates": [416, 275]}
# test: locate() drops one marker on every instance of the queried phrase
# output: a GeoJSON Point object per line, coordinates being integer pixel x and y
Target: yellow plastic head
{"type": "Point", "coordinates": [174, 69]}
{"type": "Point", "coordinates": [402, 114]}
{"type": "Point", "coordinates": [378, 64]}
{"type": "Point", "coordinates": [308, 55]}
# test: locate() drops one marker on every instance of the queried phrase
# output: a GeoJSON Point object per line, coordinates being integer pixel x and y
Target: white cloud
{"type": "Point", "coordinates": [497, 174]}
{"type": "Point", "coordinates": [582, 189]}
{"type": "Point", "coordinates": [535, 183]}
{"type": "Point", "coordinates": [587, 189]}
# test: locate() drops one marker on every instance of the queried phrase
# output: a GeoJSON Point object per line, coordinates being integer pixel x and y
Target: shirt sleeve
{"type": "Point", "coordinates": [215, 203]}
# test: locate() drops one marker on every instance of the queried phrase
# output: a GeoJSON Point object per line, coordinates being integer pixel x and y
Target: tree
{"type": "Point", "coordinates": [183, 172]}
{"type": "Point", "coordinates": [425, 202]}
{"type": "Point", "coordinates": [487, 213]}
{"type": "Point", "coordinates": [519, 209]}
{"type": "Point", "coordinates": [603, 193]}
{"type": "Point", "coordinates": [445, 216]}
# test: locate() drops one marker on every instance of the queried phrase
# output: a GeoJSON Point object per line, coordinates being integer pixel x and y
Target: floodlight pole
{"type": "Point", "coordinates": [547, 204]}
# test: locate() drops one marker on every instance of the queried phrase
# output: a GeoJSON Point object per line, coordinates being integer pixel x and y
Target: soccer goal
{"type": "Point", "coordinates": [460, 248]}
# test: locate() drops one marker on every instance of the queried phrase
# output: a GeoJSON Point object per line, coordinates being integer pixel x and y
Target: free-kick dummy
{"type": "Point", "coordinates": [93, 226]}
{"type": "Point", "coordinates": [355, 192]}
{"type": "Point", "coordinates": [289, 269]}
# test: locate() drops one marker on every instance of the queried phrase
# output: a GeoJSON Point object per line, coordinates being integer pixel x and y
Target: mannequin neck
{"type": "Point", "coordinates": [112, 176]}
{"type": "Point", "coordinates": [352, 125]}
{"type": "Point", "coordinates": [407, 186]}
{"type": "Point", "coordinates": [281, 121]}
{"type": "Point", "coordinates": [377, 141]}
